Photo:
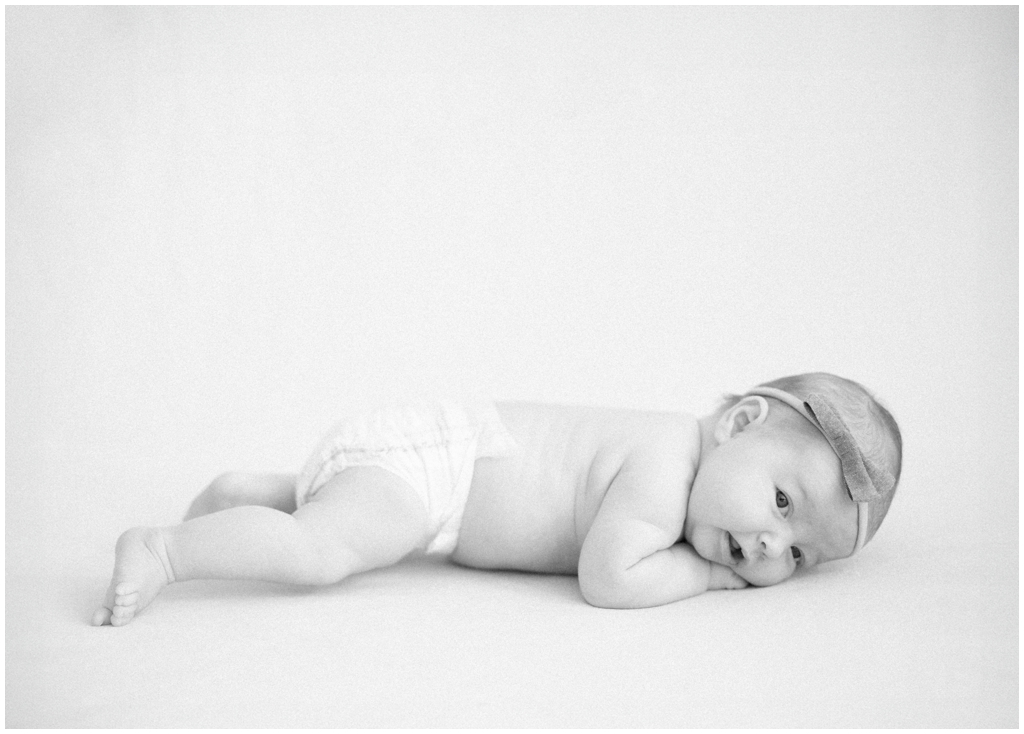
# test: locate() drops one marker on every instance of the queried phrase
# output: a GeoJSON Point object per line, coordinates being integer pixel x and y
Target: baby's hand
{"type": "Point", "coordinates": [723, 577]}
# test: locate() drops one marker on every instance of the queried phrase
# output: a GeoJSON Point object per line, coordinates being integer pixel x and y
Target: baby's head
{"type": "Point", "coordinates": [796, 472]}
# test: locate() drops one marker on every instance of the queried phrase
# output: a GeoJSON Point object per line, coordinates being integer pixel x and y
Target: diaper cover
{"type": "Point", "coordinates": [431, 446]}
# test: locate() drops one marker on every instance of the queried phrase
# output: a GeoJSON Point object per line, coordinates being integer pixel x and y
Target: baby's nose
{"type": "Point", "coordinates": [771, 545]}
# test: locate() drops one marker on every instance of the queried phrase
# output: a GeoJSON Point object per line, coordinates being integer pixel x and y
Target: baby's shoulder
{"type": "Point", "coordinates": [655, 457]}
{"type": "Point", "coordinates": [659, 439]}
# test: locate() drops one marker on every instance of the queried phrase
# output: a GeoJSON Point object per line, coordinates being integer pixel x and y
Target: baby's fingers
{"type": "Point", "coordinates": [723, 577]}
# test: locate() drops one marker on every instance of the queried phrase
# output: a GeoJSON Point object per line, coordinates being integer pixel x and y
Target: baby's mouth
{"type": "Point", "coordinates": [734, 549]}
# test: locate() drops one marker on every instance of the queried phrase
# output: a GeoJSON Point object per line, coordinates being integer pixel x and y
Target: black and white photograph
{"type": "Point", "coordinates": [483, 366]}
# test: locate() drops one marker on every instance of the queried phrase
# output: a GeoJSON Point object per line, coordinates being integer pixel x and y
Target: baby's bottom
{"type": "Point", "coordinates": [365, 517]}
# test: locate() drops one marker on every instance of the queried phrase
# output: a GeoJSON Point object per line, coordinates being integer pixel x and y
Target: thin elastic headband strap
{"type": "Point", "coordinates": [858, 477]}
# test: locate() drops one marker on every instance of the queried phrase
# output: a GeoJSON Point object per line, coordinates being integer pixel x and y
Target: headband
{"type": "Point", "coordinates": [868, 484]}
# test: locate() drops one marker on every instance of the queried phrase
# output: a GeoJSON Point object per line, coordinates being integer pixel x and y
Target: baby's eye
{"type": "Point", "coordinates": [797, 555]}
{"type": "Point", "coordinates": [781, 500]}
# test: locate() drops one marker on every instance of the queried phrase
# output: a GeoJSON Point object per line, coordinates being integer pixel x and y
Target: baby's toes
{"type": "Point", "coordinates": [122, 615]}
{"type": "Point", "coordinates": [101, 617]}
{"type": "Point", "coordinates": [127, 600]}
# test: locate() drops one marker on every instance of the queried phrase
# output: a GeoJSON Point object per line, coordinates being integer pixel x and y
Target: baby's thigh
{"type": "Point", "coordinates": [368, 512]}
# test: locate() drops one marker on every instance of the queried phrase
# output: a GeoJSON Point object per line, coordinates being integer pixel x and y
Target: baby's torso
{"type": "Point", "coordinates": [531, 509]}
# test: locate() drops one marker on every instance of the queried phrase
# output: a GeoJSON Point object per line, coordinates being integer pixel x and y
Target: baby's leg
{"type": "Point", "coordinates": [237, 489]}
{"type": "Point", "coordinates": [363, 518]}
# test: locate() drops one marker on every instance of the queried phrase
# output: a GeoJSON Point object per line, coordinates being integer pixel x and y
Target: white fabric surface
{"type": "Point", "coordinates": [886, 641]}
{"type": "Point", "coordinates": [227, 227]}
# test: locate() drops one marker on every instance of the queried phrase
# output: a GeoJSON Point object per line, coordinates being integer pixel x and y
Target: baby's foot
{"type": "Point", "coordinates": [141, 570]}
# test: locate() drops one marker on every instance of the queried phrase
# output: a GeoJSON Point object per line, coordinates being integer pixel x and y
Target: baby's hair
{"type": "Point", "coordinates": [872, 425]}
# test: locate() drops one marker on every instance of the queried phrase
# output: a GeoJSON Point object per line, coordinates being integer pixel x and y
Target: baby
{"type": "Point", "coordinates": [645, 507]}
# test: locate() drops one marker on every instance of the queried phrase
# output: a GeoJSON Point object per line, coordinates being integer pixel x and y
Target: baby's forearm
{"type": "Point", "coordinates": [665, 576]}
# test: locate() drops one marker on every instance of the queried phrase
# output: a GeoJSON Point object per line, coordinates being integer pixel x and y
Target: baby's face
{"type": "Point", "coordinates": [767, 501]}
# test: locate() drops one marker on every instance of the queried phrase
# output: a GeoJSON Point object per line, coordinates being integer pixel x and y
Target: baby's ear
{"type": "Point", "coordinates": [750, 411]}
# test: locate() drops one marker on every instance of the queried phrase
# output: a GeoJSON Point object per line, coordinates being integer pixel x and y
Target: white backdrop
{"type": "Point", "coordinates": [226, 227]}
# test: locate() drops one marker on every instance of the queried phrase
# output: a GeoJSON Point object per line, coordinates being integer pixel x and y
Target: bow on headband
{"type": "Point", "coordinates": [866, 480]}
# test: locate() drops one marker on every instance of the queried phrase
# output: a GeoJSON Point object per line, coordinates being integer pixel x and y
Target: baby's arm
{"type": "Point", "coordinates": [630, 557]}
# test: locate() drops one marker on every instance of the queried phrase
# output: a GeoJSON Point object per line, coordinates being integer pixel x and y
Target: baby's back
{"type": "Point", "coordinates": [531, 510]}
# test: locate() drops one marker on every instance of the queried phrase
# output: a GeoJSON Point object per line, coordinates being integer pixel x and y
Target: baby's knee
{"type": "Point", "coordinates": [226, 490]}
{"type": "Point", "coordinates": [325, 564]}
{"type": "Point", "coordinates": [323, 572]}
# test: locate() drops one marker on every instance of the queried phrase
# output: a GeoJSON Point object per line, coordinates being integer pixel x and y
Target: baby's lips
{"type": "Point", "coordinates": [729, 540]}
{"type": "Point", "coordinates": [726, 550]}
